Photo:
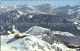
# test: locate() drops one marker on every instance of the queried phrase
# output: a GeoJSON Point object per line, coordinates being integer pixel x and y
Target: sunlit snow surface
{"type": "Point", "coordinates": [35, 41]}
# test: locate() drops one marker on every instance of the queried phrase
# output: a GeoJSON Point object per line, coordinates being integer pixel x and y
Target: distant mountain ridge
{"type": "Point", "coordinates": [69, 12]}
{"type": "Point", "coordinates": [26, 16]}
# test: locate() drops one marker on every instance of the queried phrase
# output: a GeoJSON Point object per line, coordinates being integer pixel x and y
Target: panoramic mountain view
{"type": "Point", "coordinates": [42, 27]}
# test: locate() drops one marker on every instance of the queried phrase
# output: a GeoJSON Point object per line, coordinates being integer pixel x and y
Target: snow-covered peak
{"type": "Point", "coordinates": [40, 42]}
{"type": "Point", "coordinates": [21, 13]}
{"type": "Point", "coordinates": [32, 7]}
{"type": "Point", "coordinates": [36, 30]}
{"type": "Point", "coordinates": [70, 12]}
{"type": "Point", "coordinates": [37, 39]}
{"type": "Point", "coordinates": [29, 43]}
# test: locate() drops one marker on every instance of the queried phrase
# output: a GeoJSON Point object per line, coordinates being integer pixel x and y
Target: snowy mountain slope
{"type": "Point", "coordinates": [67, 38]}
{"type": "Point", "coordinates": [21, 18]}
{"type": "Point", "coordinates": [43, 33]}
{"type": "Point", "coordinates": [32, 42]}
{"type": "Point", "coordinates": [29, 44]}
{"type": "Point", "coordinates": [63, 33]}
{"type": "Point", "coordinates": [69, 12]}
{"type": "Point", "coordinates": [53, 22]}
{"type": "Point", "coordinates": [12, 15]}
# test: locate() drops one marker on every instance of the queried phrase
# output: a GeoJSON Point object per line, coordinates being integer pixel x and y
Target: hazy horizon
{"type": "Point", "coordinates": [53, 3]}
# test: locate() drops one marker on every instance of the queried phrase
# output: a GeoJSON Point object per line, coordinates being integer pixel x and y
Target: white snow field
{"type": "Point", "coordinates": [37, 39]}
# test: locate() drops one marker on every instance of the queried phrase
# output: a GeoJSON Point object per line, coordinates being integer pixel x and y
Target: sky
{"type": "Point", "coordinates": [53, 2]}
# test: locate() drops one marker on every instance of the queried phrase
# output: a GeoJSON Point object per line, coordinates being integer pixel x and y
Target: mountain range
{"type": "Point", "coordinates": [63, 22]}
